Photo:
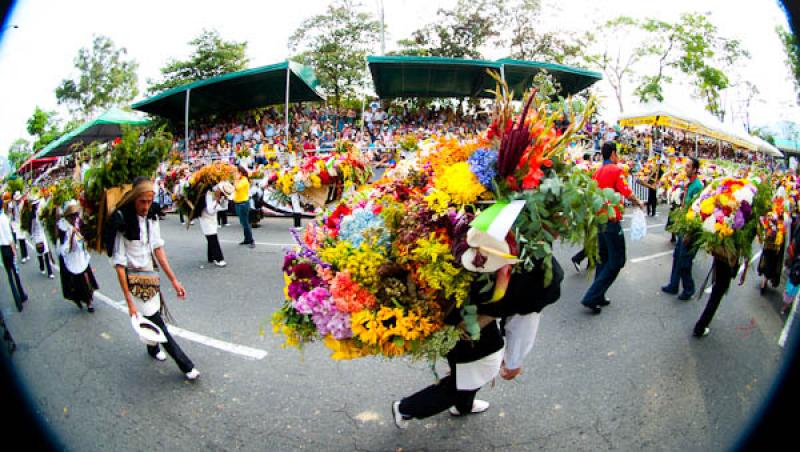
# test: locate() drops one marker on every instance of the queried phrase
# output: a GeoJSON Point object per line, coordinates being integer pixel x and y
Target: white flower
{"type": "Point", "coordinates": [709, 224]}
{"type": "Point", "coordinates": [744, 194]}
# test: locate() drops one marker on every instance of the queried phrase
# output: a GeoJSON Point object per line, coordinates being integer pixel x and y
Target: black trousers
{"type": "Point", "coordinates": [222, 218]}
{"type": "Point", "coordinates": [23, 247]}
{"type": "Point", "coordinates": [180, 215]}
{"type": "Point", "coordinates": [438, 397]}
{"type": "Point", "coordinates": [723, 273]}
{"type": "Point", "coordinates": [580, 256]}
{"type": "Point", "coordinates": [173, 349]}
{"type": "Point", "coordinates": [44, 260]}
{"type": "Point", "coordinates": [13, 276]}
{"type": "Point", "coordinates": [652, 201]}
{"type": "Point", "coordinates": [214, 250]}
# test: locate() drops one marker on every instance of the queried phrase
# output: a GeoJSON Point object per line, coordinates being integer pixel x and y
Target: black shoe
{"type": "Point", "coordinates": [703, 333]}
{"type": "Point", "coordinates": [666, 289]}
{"type": "Point", "coordinates": [90, 308]}
{"type": "Point", "coordinates": [577, 265]}
{"type": "Point", "coordinates": [594, 308]}
{"type": "Point", "coordinates": [244, 242]}
{"type": "Point", "coordinates": [685, 296]}
{"type": "Point", "coordinates": [24, 298]}
{"type": "Point", "coordinates": [762, 290]}
{"type": "Point", "coordinates": [605, 302]}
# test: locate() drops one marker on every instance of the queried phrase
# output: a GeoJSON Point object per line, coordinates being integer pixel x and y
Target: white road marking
{"type": "Point", "coordinates": [262, 243]}
{"type": "Point", "coordinates": [247, 352]}
{"type": "Point", "coordinates": [648, 226]}
{"type": "Point", "coordinates": [652, 256]}
{"type": "Point", "coordinates": [242, 350]}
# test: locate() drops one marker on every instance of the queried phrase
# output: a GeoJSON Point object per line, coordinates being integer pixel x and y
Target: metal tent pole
{"type": "Point", "coordinates": [696, 152]}
{"type": "Point", "coordinates": [295, 198]}
{"type": "Point", "coordinates": [186, 125]}
{"type": "Point", "coordinates": [286, 109]}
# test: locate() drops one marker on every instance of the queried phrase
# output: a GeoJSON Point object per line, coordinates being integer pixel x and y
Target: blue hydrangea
{"type": "Point", "coordinates": [363, 225]}
{"type": "Point", "coordinates": [483, 164]}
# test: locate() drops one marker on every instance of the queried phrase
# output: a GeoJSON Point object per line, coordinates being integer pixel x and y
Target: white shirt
{"type": "Point", "coordinates": [37, 230]}
{"type": "Point", "coordinates": [6, 238]}
{"type": "Point", "coordinates": [208, 217]}
{"type": "Point", "coordinates": [76, 258]}
{"type": "Point", "coordinates": [519, 338]}
{"type": "Point", "coordinates": [138, 255]}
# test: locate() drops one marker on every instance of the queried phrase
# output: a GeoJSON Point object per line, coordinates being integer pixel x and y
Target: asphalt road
{"type": "Point", "coordinates": [631, 378]}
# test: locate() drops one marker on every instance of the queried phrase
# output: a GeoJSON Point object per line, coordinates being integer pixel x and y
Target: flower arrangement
{"type": "Point", "coordinates": [200, 181]}
{"type": "Point", "coordinates": [772, 228]}
{"type": "Point", "coordinates": [725, 216]}
{"type": "Point", "coordinates": [343, 168]}
{"type": "Point", "coordinates": [379, 273]}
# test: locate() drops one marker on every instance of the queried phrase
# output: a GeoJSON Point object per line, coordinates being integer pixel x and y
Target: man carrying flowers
{"type": "Point", "coordinates": [610, 237]}
{"type": "Point", "coordinates": [685, 250]}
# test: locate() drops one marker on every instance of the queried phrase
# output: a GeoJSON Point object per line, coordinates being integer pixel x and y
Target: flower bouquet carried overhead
{"type": "Point", "coordinates": [322, 178]}
{"type": "Point", "coordinates": [378, 273]}
{"type": "Point", "coordinates": [725, 216]}
{"type": "Point", "coordinates": [200, 181]}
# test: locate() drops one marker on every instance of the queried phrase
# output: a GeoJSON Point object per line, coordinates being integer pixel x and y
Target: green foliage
{"type": "Point", "coordinates": [44, 127]}
{"type": "Point", "coordinates": [60, 192]}
{"type": "Point", "coordinates": [791, 47]}
{"type": "Point", "coordinates": [336, 43]}
{"type": "Point", "coordinates": [19, 151]}
{"type": "Point", "coordinates": [459, 32]}
{"type": "Point", "coordinates": [105, 79]}
{"type": "Point", "coordinates": [618, 55]}
{"type": "Point", "coordinates": [693, 47]}
{"type": "Point", "coordinates": [521, 19]}
{"type": "Point", "coordinates": [128, 159]}
{"type": "Point", "coordinates": [212, 56]}
{"type": "Point", "coordinates": [15, 184]}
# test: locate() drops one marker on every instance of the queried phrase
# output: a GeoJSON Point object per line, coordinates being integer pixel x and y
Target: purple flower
{"type": "Point", "coordinates": [746, 209]}
{"type": "Point", "coordinates": [738, 220]}
{"type": "Point", "coordinates": [297, 289]}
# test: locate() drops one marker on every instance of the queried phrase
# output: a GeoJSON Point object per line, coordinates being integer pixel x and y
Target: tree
{"type": "Point", "coordinates": [336, 43]}
{"type": "Point", "coordinates": [619, 54]}
{"type": "Point", "coordinates": [105, 79]}
{"type": "Point", "coordinates": [44, 126]}
{"type": "Point", "coordinates": [459, 32]}
{"type": "Point", "coordinates": [212, 56]}
{"type": "Point", "coordinates": [792, 48]}
{"type": "Point", "coordinates": [522, 21]}
{"type": "Point", "coordinates": [693, 47]}
{"type": "Point", "coordinates": [19, 151]}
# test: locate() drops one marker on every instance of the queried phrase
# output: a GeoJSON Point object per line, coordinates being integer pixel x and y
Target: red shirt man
{"type": "Point", "coordinates": [610, 175]}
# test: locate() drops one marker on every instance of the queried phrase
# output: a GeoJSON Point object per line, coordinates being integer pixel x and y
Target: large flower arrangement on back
{"type": "Point", "coordinates": [725, 216]}
{"type": "Point", "coordinates": [378, 273]}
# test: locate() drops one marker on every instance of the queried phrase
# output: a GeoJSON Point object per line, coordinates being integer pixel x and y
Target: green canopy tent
{"type": "Point", "coordinates": [519, 75]}
{"type": "Point", "coordinates": [409, 76]}
{"type": "Point", "coordinates": [105, 127]}
{"type": "Point", "coordinates": [243, 90]}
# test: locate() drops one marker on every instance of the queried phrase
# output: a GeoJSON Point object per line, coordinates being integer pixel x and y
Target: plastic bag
{"type": "Point", "coordinates": [638, 225]}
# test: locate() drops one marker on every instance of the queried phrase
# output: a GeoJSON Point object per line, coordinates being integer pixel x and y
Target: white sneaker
{"type": "Point", "coordinates": [704, 333]}
{"type": "Point", "coordinates": [42, 272]}
{"type": "Point", "coordinates": [160, 356]}
{"type": "Point", "coordinates": [191, 223]}
{"type": "Point", "coordinates": [51, 276]}
{"type": "Point", "coordinates": [399, 420]}
{"type": "Point", "coordinates": [192, 374]}
{"type": "Point", "coordinates": [220, 263]}
{"type": "Point", "coordinates": [478, 406]}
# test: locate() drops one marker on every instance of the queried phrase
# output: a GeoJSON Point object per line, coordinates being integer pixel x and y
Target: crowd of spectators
{"type": "Point", "coordinates": [254, 137]}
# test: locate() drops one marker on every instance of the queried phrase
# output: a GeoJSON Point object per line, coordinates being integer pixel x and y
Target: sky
{"type": "Point", "coordinates": [39, 54]}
